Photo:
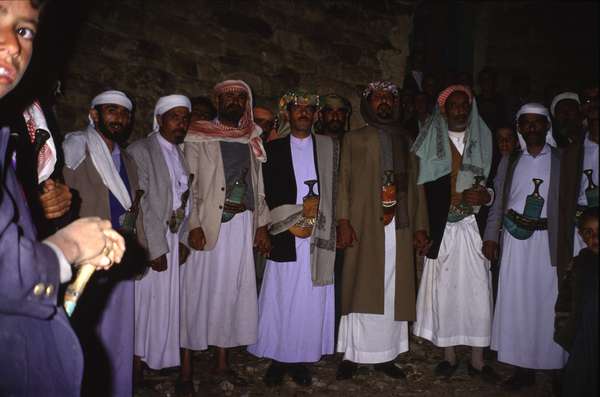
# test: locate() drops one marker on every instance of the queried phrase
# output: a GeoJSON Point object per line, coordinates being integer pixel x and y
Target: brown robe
{"type": "Point", "coordinates": [359, 201]}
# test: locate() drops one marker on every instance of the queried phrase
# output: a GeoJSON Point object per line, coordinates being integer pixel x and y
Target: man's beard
{"type": "Point", "coordinates": [384, 111]}
{"type": "Point", "coordinates": [232, 113]}
{"type": "Point", "coordinates": [120, 137]}
{"type": "Point", "coordinates": [334, 126]}
{"type": "Point", "coordinates": [179, 136]}
{"type": "Point", "coordinates": [535, 138]}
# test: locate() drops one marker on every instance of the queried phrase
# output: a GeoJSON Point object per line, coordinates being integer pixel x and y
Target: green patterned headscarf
{"type": "Point", "coordinates": [432, 146]}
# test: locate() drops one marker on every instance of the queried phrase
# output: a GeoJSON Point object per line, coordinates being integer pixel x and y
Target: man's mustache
{"type": "Point", "coordinates": [116, 126]}
{"type": "Point", "coordinates": [232, 106]}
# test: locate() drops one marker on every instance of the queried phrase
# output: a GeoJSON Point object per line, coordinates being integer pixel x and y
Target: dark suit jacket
{"type": "Point", "coordinates": [280, 188]}
{"type": "Point", "coordinates": [40, 354]}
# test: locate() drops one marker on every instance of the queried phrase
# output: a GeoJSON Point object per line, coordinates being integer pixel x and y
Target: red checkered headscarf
{"type": "Point", "coordinates": [247, 131]}
{"type": "Point", "coordinates": [451, 89]}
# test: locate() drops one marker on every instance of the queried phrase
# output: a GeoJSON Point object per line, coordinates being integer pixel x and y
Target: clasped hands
{"type": "Point", "coordinates": [90, 241]}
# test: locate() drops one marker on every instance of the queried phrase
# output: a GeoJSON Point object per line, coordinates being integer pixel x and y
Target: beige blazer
{"type": "Point", "coordinates": [206, 163]}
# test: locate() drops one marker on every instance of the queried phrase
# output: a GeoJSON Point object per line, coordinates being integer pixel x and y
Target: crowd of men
{"type": "Point", "coordinates": [223, 199]}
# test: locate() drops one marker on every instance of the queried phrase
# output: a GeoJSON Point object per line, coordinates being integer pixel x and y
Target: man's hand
{"type": "Point", "coordinates": [159, 264]}
{"type": "Point", "coordinates": [262, 241]}
{"type": "Point", "coordinates": [421, 242]}
{"type": "Point", "coordinates": [490, 250]}
{"type": "Point", "coordinates": [55, 199]}
{"type": "Point", "coordinates": [347, 235]}
{"type": "Point", "coordinates": [476, 197]}
{"type": "Point", "coordinates": [184, 252]}
{"type": "Point", "coordinates": [196, 239]}
{"type": "Point", "coordinates": [234, 208]}
{"type": "Point", "coordinates": [90, 240]}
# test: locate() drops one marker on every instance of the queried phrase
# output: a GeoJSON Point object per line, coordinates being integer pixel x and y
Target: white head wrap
{"type": "Point", "coordinates": [111, 97]}
{"type": "Point", "coordinates": [535, 108]}
{"type": "Point", "coordinates": [167, 103]}
{"type": "Point", "coordinates": [563, 95]}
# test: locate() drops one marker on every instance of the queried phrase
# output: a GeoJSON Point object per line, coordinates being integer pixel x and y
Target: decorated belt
{"type": "Point", "coordinates": [522, 227]}
{"type": "Point", "coordinates": [459, 212]}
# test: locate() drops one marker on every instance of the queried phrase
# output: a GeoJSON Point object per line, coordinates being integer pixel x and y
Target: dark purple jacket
{"type": "Point", "coordinates": [39, 352]}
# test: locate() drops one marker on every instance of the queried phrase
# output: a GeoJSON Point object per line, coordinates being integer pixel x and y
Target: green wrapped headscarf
{"type": "Point", "coordinates": [432, 147]}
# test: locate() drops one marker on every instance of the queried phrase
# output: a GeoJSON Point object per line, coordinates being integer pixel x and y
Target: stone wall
{"type": "Point", "coordinates": [151, 48]}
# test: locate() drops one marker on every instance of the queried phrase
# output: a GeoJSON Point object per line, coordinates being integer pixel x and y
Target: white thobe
{"type": "Point", "coordinates": [376, 338]}
{"type": "Point", "coordinates": [296, 318]}
{"type": "Point", "coordinates": [454, 303]}
{"type": "Point", "coordinates": [523, 326]}
{"type": "Point", "coordinates": [157, 293]}
{"type": "Point", "coordinates": [590, 162]}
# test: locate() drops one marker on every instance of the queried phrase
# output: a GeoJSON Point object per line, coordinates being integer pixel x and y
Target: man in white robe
{"type": "Point", "coordinates": [454, 304]}
{"type": "Point", "coordinates": [381, 215]}
{"type": "Point", "coordinates": [164, 178]}
{"type": "Point", "coordinates": [526, 207]}
{"type": "Point", "coordinates": [296, 304]}
{"type": "Point", "coordinates": [228, 215]}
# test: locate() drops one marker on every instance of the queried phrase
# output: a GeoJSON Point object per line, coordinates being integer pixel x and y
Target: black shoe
{"type": "Point", "coordinates": [445, 369]}
{"type": "Point", "coordinates": [346, 370]}
{"type": "Point", "coordinates": [521, 379]}
{"type": "Point", "coordinates": [390, 369]}
{"type": "Point", "coordinates": [300, 374]}
{"type": "Point", "coordinates": [487, 374]}
{"type": "Point", "coordinates": [275, 374]}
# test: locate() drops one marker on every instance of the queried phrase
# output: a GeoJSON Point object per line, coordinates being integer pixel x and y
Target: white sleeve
{"type": "Point", "coordinates": [64, 265]}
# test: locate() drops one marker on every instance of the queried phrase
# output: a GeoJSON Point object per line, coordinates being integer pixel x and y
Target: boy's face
{"type": "Point", "coordinates": [506, 141]}
{"type": "Point", "coordinates": [589, 233]}
{"type": "Point", "coordinates": [18, 26]}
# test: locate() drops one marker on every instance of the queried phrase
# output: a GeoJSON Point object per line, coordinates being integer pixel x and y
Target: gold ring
{"type": "Point", "coordinates": [105, 251]}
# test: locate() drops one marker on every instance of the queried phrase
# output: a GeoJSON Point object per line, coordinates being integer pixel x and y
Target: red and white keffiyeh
{"type": "Point", "coordinates": [449, 91]}
{"type": "Point", "coordinates": [46, 161]}
{"type": "Point", "coordinates": [247, 131]}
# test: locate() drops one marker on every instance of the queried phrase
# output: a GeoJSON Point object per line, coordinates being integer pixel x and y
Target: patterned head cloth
{"type": "Point", "coordinates": [46, 161]}
{"type": "Point", "coordinates": [293, 98]}
{"type": "Point", "coordinates": [443, 97]}
{"type": "Point", "coordinates": [393, 124]}
{"type": "Point", "coordinates": [380, 85]}
{"type": "Point", "coordinates": [245, 132]}
{"type": "Point", "coordinates": [298, 98]}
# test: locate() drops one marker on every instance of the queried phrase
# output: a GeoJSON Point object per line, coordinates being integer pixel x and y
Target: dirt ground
{"type": "Point", "coordinates": [418, 364]}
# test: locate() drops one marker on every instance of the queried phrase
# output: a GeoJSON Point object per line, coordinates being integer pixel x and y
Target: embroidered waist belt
{"type": "Point", "coordinates": [459, 212]}
{"type": "Point", "coordinates": [522, 227]}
